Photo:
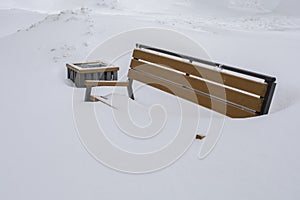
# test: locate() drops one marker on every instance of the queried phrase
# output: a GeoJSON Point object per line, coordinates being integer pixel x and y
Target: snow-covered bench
{"type": "Point", "coordinates": [231, 91]}
{"type": "Point", "coordinates": [79, 72]}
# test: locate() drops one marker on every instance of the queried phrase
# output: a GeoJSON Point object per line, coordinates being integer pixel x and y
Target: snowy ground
{"type": "Point", "coordinates": [41, 154]}
{"type": "Point", "coordinates": [14, 20]}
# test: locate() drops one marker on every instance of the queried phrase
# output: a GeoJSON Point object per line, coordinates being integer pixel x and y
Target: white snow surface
{"type": "Point", "coordinates": [41, 154]}
{"type": "Point", "coordinates": [13, 20]}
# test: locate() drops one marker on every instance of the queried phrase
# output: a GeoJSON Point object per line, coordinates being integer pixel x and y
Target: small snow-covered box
{"type": "Point", "coordinates": [79, 72]}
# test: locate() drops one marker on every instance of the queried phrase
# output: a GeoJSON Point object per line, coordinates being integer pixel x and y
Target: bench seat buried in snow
{"type": "Point", "coordinates": [231, 91]}
{"type": "Point", "coordinates": [79, 72]}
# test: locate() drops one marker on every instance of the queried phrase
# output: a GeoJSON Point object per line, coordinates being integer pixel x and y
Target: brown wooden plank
{"type": "Point", "coordinates": [102, 69]}
{"type": "Point", "coordinates": [105, 83]}
{"type": "Point", "coordinates": [87, 63]}
{"type": "Point", "coordinates": [72, 67]}
{"type": "Point", "coordinates": [230, 80]}
{"type": "Point", "coordinates": [200, 137]}
{"type": "Point", "coordinates": [218, 91]}
{"type": "Point", "coordinates": [190, 95]}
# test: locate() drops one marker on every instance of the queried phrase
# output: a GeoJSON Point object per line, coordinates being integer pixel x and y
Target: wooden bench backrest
{"type": "Point", "coordinates": [226, 93]}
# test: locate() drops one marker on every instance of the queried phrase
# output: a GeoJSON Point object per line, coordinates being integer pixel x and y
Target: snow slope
{"type": "Point", "coordinates": [13, 20]}
{"type": "Point", "coordinates": [228, 14]}
{"type": "Point", "coordinates": [43, 158]}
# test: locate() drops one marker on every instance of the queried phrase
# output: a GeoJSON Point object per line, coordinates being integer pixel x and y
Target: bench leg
{"type": "Point", "coordinates": [68, 73]}
{"type": "Point", "coordinates": [129, 89]}
{"type": "Point", "coordinates": [88, 92]}
{"type": "Point", "coordinates": [115, 75]}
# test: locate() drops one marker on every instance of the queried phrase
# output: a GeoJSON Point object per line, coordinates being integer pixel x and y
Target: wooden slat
{"type": "Point", "coordinates": [91, 70]}
{"type": "Point", "coordinates": [102, 69]}
{"type": "Point", "coordinates": [105, 83]}
{"type": "Point", "coordinates": [227, 94]}
{"type": "Point", "coordinates": [203, 72]}
{"type": "Point", "coordinates": [189, 95]}
{"type": "Point", "coordinates": [72, 67]}
{"type": "Point", "coordinates": [88, 63]}
{"type": "Point", "coordinates": [200, 137]}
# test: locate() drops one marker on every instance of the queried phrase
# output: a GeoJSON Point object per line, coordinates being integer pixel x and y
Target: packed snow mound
{"type": "Point", "coordinates": [255, 5]}
{"type": "Point", "coordinates": [258, 23]}
{"type": "Point", "coordinates": [57, 5]}
{"type": "Point", "coordinates": [193, 21]}
{"type": "Point", "coordinates": [159, 6]}
{"type": "Point", "coordinates": [110, 4]}
{"type": "Point", "coordinates": [242, 23]}
{"type": "Point", "coordinates": [250, 15]}
{"type": "Point", "coordinates": [74, 23]}
{"type": "Point", "coordinates": [18, 19]}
